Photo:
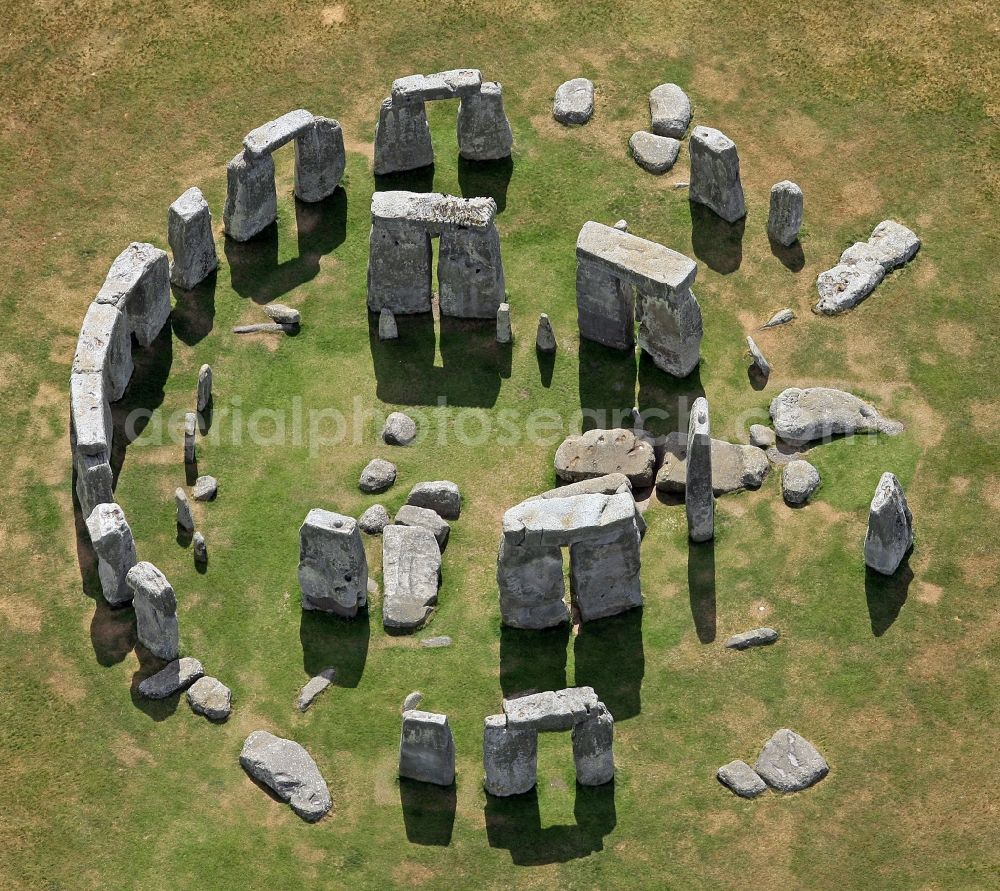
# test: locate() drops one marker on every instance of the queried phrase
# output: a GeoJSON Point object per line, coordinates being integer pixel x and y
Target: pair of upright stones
{"type": "Point", "coordinates": [403, 136]}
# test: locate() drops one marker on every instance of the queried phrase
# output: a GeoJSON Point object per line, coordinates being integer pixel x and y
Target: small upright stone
{"type": "Point", "coordinates": [314, 686]}
{"type": "Point", "coordinates": [785, 217]}
{"type": "Point", "coordinates": [377, 476]}
{"type": "Point", "coordinates": [204, 387]}
{"type": "Point", "coordinates": [374, 520]}
{"type": "Point", "coordinates": [760, 363]}
{"type": "Point", "coordinates": [670, 111]}
{"type": "Point", "coordinates": [504, 332]}
{"type": "Point", "coordinates": [333, 567]}
{"type": "Point", "coordinates": [205, 488]}
{"type": "Point", "coordinates": [890, 527]}
{"type": "Point", "coordinates": [799, 480]}
{"type": "Point", "coordinates": [441, 496]}
{"type": "Point", "coordinates": [654, 154]}
{"type": "Point", "coordinates": [189, 232]}
{"type": "Point", "coordinates": [621, 226]}
{"type": "Point", "coordinates": [699, 500]}
{"type": "Point", "coordinates": [115, 548]}
{"type": "Point", "coordinates": [190, 431]}
{"type": "Point", "coordinates": [427, 748]}
{"type": "Point", "coordinates": [400, 429]}
{"type": "Point", "coordinates": [574, 102]}
{"type": "Point", "coordinates": [200, 549]}
{"type": "Point", "coordinates": [387, 328]}
{"type": "Point", "coordinates": [715, 174]}
{"type": "Point", "coordinates": [155, 610]}
{"type": "Point", "coordinates": [185, 519]}
{"type": "Point", "coordinates": [210, 697]}
{"type": "Point", "coordinates": [545, 339]}
{"type": "Point", "coordinates": [741, 779]}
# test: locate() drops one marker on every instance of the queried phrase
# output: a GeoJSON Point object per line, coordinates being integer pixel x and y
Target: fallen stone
{"type": "Point", "coordinates": [890, 527]}
{"type": "Point", "coordinates": [176, 676]}
{"type": "Point", "coordinates": [333, 567]}
{"type": "Point", "coordinates": [597, 453]}
{"type": "Point", "coordinates": [199, 548]}
{"type": "Point", "coordinates": [715, 174]}
{"type": "Point", "coordinates": [189, 233]}
{"type": "Point", "coordinates": [805, 415]}
{"type": "Point", "coordinates": [890, 245]}
{"type": "Point", "coordinates": [741, 779]}
{"type": "Point", "coordinates": [387, 327]}
{"type": "Point", "coordinates": [313, 687]}
{"type": "Point", "coordinates": [762, 437]}
{"type": "Point", "coordinates": [670, 111]}
{"type": "Point", "coordinates": [789, 763]}
{"type": "Point", "coordinates": [504, 332]}
{"type": "Point", "coordinates": [155, 610]}
{"type": "Point", "coordinates": [204, 387]}
{"type": "Point", "coordinates": [621, 226]}
{"type": "Point", "coordinates": [115, 548]}
{"type": "Point", "coordinates": [760, 363]}
{"type": "Point", "coordinates": [758, 637]}
{"type": "Point", "coordinates": [426, 748]}
{"type": "Point", "coordinates": [205, 488]}
{"type": "Point", "coordinates": [441, 496]}
{"type": "Point", "coordinates": [655, 154]}
{"type": "Point", "coordinates": [550, 710]}
{"type": "Point", "coordinates": [374, 520]}
{"type": "Point", "coordinates": [208, 696]}
{"type": "Point", "coordinates": [484, 133]}
{"type": "Point", "coordinates": [781, 317]}
{"type": "Point", "coordinates": [266, 328]}
{"type": "Point", "coordinates": [799, 480]}
{"type": "Point", "coordinates": [104, 347]}
{"type": "Point", "coordinates": [846, 285]}
{"type": "Point", "coordinates": [283, 315]}
{"type": "Point", "coordinates": [190, 432]}
{"type": "Point", "coordinates": [574, 102]}
{"type": "Point", "coordinates": [436, 643]}
{"type": "Point", "coordinates": [699, 499]}
{"type": "Point", "coordinates": [411, 573]}
{"type": "Point", "coordinates": [412, 701]}
{"type": "Point", "coordinates": [185, 519]}
{"type": "Point", "coordinates": [545, 338]}
{"type": "Point", "coordinates": [399, 429]}
{"type": "Point", "coordinates": [287, 769]}
{"type": "Point", "coordinates": [377, 476]}
{"type": "Point", "coordinates": [785, 215]}
{"type": "Point", "coordinates": [734, 467]}
{"type": "Point", "coordinates": [411, 515]}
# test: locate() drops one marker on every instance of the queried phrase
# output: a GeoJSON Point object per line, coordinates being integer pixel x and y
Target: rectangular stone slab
{"type": "Point", "coordinates": [411, 572]}
{"type": "Point", "coordinates": [90, 414]}
{"type": "Point", "coordinates": [443, 85]}
{"type": "Point", "coordinates": [434, 210]}
{"type": "Point", "coordinates": [558, 522]}
{"type": "Point", "coordinates": [427, 748]}
{"type": "Point", "coordinates": [550, 710]}
{"type": "Point", "coordinates": [105, 347]}
{"type": "Point", "coordinates": [274, 134]}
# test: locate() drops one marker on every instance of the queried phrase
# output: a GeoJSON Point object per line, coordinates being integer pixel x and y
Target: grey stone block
{"type": "Point", "coordinates": [283, 315]}
{"type": "Point", "coordinates": [799, 480]}
{"type": "Point", "coordinates": [510, 758]}
{"type": "Point", "coordinates": [399, 267]}
{"type": "Point", "coordinates": [402, 138]}
{"type": "Point", "coordinates": [205, 488]}
{"type": "Point", "coordinates": [115, 548]}
{"type": "Point", "coordinates": [890, 245]}
{"type": "Point", "coordinates": [411, 573]}
{"type": "Point", "coordinates": [789, 763]}
{"type": "Point", "coordinates": [208, 696]}
{"type": "Point", "coordinates": [505, 333]}
{"type": "Point", "coordinates": [734, 467]}
{"type": "Point", "coordinates": [333, 567]}
{"type": "Point", "coordinates": [399, 429]}
{"type": "Point", "coordinates": [699, 502]}
{"type": "Point", "coordinates": [387, 327]}
{"type": "Point", "coordinates": [185, 519]}
{"type": "Point", "coordinates": [890, 527]}
{"type": "Point", "coordinates": [551, 710]}
{"type": "Point", "coordinates": [190, 435]}
{"type": "Point", "coordinates": [138, 284]}
{"type": "Point", "coordinates": [574, 102]}
{"type": "Point", "coordinates": [531, 585]}
{"type": "Point", "coordinates": [320, 159]}
{"type": "Point", "coordinates": [545, 337]}
{"type": "Point", "coordinates": [470, 273]}
{"type": "Point", "coordinates": [804, 415]}
{"type": "Point", "coordinates": [192, 243]}
{"type": "Point", "coordinates": [274, 134]}
{"type": "Point", "coordinates": [155, 610]}
{"type": "Point", "coordinates": [377, 476]}
{"type": "Point", "coordinates": [593, 748]}
{"type": "Point", "coordinates": [90, 414]}
{"type": "Point", "coordinates": [94, 480]}
{"type": "Point", "coordinates": [204, 387]}
{"type": "Point", "coordinates": [762, 437]}
{"type": "Point", "coordinates": [199, 548]}
{"type": "Point", "coordinates": [669, 110]}
{"type": "Point", "coordinates": [314, 687]}
{"type": "Point", "coordinates": [411, 515]}
{"type": "Point", "coordinates": [484, 132]}
{"type": "Point", "coordinates": [176, 676]}
{"type": "Point", "coordinates": [251, 198]}
{"type": "Point", "coordinates": [715, 174]}
{"type": "Point", "coordinates": [597, 453]}
{"type": "Point", "coordinates": [426, 748]}
{"type": "Point", "coordinates": [105, 347]}
{"type": "Point", "coordinates": [760, 363]}
{"type": "Point", "coordinates": [455, 84]}
{"type": "Point", "coordinates": [654, 154]}
{"type": "Point", "coordinates": [288, 770]}
{"type": "Point", "coordinates": [757, 637]}
{"type": "Point", "coordinates": [846, 285]}
{"type": "Point", "coordinates": [374, 520]}
{"type": "Point", "coordinates": [442, 496]}
{"type": "Point", "coordinates": [785, 214]}
{"type": "Point", "coordinates": [741, 779]}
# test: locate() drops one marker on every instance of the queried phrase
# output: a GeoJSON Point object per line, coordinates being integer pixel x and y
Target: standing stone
{"type": "Point", "coordinates": [504, 331]}
{"type": "Point", "coordinates": [760, 363]}
{"type": "Point", "coordinates": [105, 347]}
{"type": "Point", "coordinates": [204, 387]}
{"type": "Point", "coordinates": [374, 519]}
{"type": "Point", "coordinates": [545, 339]}
{"type": "Point", "coordinates": [399, 265]}
{"type": "Point", "coordinates": [741, 779]}
{"type": "Point", "coordinates": [190, 432]}
{"type": "Point", "coordinates": [377, 476]}
{"type": "Point", "coordinates": [176, 676]}
{"type": "Point", "coordinates": [411, 515]}
{"type": "Point", "coordinates": [715, 174]}
{"type": "Point", "coordinates": [319, 159]}
{"type": "Point", "coordinates": [115, 548]}
{"type": "Point", "coordinates": [510, 758]}
{"type": "Point", "coordinates": [251, 198]}
{"type": "Point", "coordinates": [333, 568]}
{"type": "Point", "coordinates": [890, 527]}
{"type": "Point", "coordinates": [593, 748]}
{"type": "Point", "coordinates": [789, 763]}
{"type": "Point", "coordinates": [185, 519]}
{"type": "Point", "coordinates": [402, 137]}
{"type": "Point", "coordinates": [699, 501]}
{"type": "Point", "coordinates": [654, 154]}
{"type": "Point", "coordinates": [200, 548]}
{"type": "Point", "coordinates": [470, 270]}
{"type": "Point", "coordinates": [484, 132]}
{"type": "Point", "coordinates": [799, 480]}
{"type": "Point", "coordinates": [155, 610]}
{"type": "Point", "coordinates": [287, 769]}
{"type": "Point", "coordinates": [210, 697]}
{"type": "Point", "coordinates": [442, 496]}
{"type": "Point", "coordinates": [532, 587]}
{"type": "Point", "coordinates": [785, 217]}
{"type": "Point", "coordinates": [138, 284]}
{"type": "Point", "coordinates": [387, 328]}
{"type": "Point", "coordinates": [90, 414]}
{"type": "Point", "coordinates": [411, 573]}
{"type": "Point", "coordinates": [189, 232]}
{"type": "Point", "coordinates": [399, 429]}
{"type": "Point", "coordinates": [426, 748]}
{"type": "Point", "coordinates": [94, 481]}
{"type": "Point", "coordinates": [314, 686]}
{"type": "Point", "coordinates": [574, 102]}
{"type": "Point", "coordinates": [670, 111]}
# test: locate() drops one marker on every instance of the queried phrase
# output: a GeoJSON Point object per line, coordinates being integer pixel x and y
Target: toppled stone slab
{"type": "Point", "coordinates": [210, 697]}
{"type": "Point", "coordinates": [670, 111]}
{"type": "Point", "coordinates": [846, 285]}
{"type": "Point", "coordinates": [287, 769]}
{"type": "Point", "coordinates": [781, 317]}
{"type": "Point", "coordinates": [283, 315]}
{"type": "Point", "coordinates": [574, 102]}
{"type": "Point", "coordinates": [789, 763]}
{"type": "Point", "coordinates": [699, 499]}
{"type": "Point", "coordinates": [762, 437]}
{"type": "Point", "coordinates": [412, 701]}
{"type": "Point", "coordinates": [400, 429]}
{"type": "Point", "coordinates": [441, 496]}
{"type": "Point", "coordinates": [115, 548]}
{"type": "Point", "coordinates": [333, 568]}
{"type": "Point", "coordinates": [314, 687]}
{"type": "Point", "coordinates": [734, 467]}
{"type": "Point", "coordinates": [90, 414]}
{"type": "Point", "coordinates": [455, 84]}
{"type": "Point", "coordinates": [545, 337]}
{"type": "Point", "coordinates": [760, 363]}
{"type": "Point", "coordinates": [654, 154]}
{"type": "Point", "coordinates": [436, 643]}
{"type": "Point", "coordinates": [757, 637]}
{"type": "Point", "coordinates": [890, 527]}
{"type": "Point", "coordinates": [799, 480]}
{"type": "Point", "coordinates": [175, 677]}
{"type": "Point", "coordinates": [138, 284]}
{"type": "Point", "coordinates": [105, 348]}
{"type": "Point", "coordinates": [205, 488]}
{"type": "Point", "coordinates": [608, 484]}
{"type": "Point", "coordinates": [374, 519]}
{"type": "Point", "coordinates": [204, 387]}
{"type": "Point", "coordinates": [804, 415]}
{"type": "Point", "coordinates": [387, 327]}
{"type": "Point", "coordinates": [484, 132]}
{"type": "Point", "coordinates": [411, 515]}
{"type": "Point", "coordinates": [155, 610]}
{"type": "Point", "coordinates": [411, 572]}
{"type": "Point", "coordinates": [266, 328]}
{"type": "Point", "coordinates": [550, 710]}
{"type": "Point", "coordinates": [274, 134]}
{"type": "Point", "coordinates": [597, 453]}
{"type": "Point", "coordinates": [784, 218]}
{"type": "Point", "coordinates": [185, 519]}
{"type": "Point", "coordinates": [377, 476]}
{"type": "Point", "coordinates": [426, 748]}
{"type": "Point", "coordinates": [189, 233]}
{"type": "Point", "coordinates": [715, 174]}
{"type": "Point", "coordinates": [741, 779]}
{"type": "Point", "coordinates": [510, 758]}
{"type": "Point", "coordinates": [890, 245]}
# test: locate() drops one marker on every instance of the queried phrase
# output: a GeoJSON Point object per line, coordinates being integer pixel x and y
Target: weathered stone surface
{"type": "Point", "coordinates": [609, 484]}
{"type": "Point", "coordinates": [699, 500]}
{"type": "Point", "coordinates": [190, 434]}
{"type": "Point", "coordinates": [176, 676]}
{"type": "Point", "coordinates": [399, 265]}
{"type": "Point", "coordinates": [670, 110]}
{"type": "Point", "coordinates": [314, 686]}
{"type": "Point", "coordinates": [377, 476]}
{"type": "Point", "coordinates": [155, 610]}
{"type": "Point", "coordinates": [400, 429]}
{"type": "Point", "coordinates": [531, 585]}
{"type": "Point", "coordinates": [320, 159]}
{"type": "Point", "coordinates": [251, 198]}
{"type": "Point", "coordinates": [455, 84]}
{"type": "Point", "coordinates": [805, 415]}
{"type": "Point", "coordinates": [574, 102]}
{"type": "Point", "coordinates": [427, 748]}
{"type": "Point", "coordinates": [208, 696]}
{"type": "Point", "coordinates": [374, 520]}
{"type": "Point", "coordinates": [470, 273]}
{"type": "Point", "coordinates": [484, 132]}
{"type": "Point", "coordinates": [115, 548]}
{"type": "Point", "coordinates": [621, 226]}
{"type": "Point", "coordinates": [185, 519]}
{"type": "Point", "coordinates": [890, 245]}
{"type": "Point", "coordinates": [784, 217]}
{"type": "Point", "coordinates": [411, 572]}
{"type": "Point", "coordinates": [105, 347]}
{"type": "Point", "coordinates": [762, 437]}
{"type": "Point", "coordinates": [781, 317]}
{"type": "Point", "coordinates": [593, 748]}
{"type": "Point", "coordinates": [333, 568]}
{"type": "Point", "coordinates": [741, 779]}
{"type": "Point", "coordinates": [545, 337]}
{"type": "Point", "coordinates": [846, 285]}
{"type": "Point", "coordinates": [205, 488]}
{"type": "Point", "coordinates": [387, 327]}
{"type": "Point", "coordinates": [510, 758]}
{"type": "Point", "coordinates": [655, 154]}
{"type": "Point", "coordinates": [199, 548]}
{"type": "Point", "coordinates": [138, 284]}
{"type": "Point", "coordinates": [274, 134]}
{"type": "Point", "coordinates": [760, 363]}
{"type": "Point", "coordinates": [287, 769]}
{"type": "Point", "coordinates": [442, 496]}
{"type": "Point", "coordinates": [799, 480]}
{"type": "Point", "coordinates": [715, 174]}
{"type": "Point", "coordinates": [597, 453]}
{"type": "Point", "coordinates": [402, 138]}
{"type": "Point", "coordinates": [734, 467]}
{"type": "Point", "coordinates": [890, 527]}
{"type": "Point", "coordinates": [504, 332]}
{"type": "Point", "coordinates": [90, 414]}
{"type": "Point", "coordinates": [436, 643]}
{"type": "Point", "coordinates": [265, 328]}
{"type": "Point", "coordinates": [756, 637]}
{"type": "Point", "coordinates": [94, 481]}
{"type": "Point", "coordinates": [412, 701]}
{"type": "Point", "coordinates": [283, 315]}
{"type": "Point", "coordinates": [789, 763]}
{"type": "Point", "coordinates": [189, 233]}
{"type": "Point", "coordinates": [551, 710]}
{"type": "Point", "coordinates": [204, 387]}
{"type": "Point", "coordinates": [411, 515]}
{"type": "Point", "coordinates": [434, 211]}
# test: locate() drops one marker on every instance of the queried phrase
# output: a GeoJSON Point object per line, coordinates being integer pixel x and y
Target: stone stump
{"type": "Point", "coordinates": [785, 215]}
{"type": "Point", "coordinates": [333, 567]}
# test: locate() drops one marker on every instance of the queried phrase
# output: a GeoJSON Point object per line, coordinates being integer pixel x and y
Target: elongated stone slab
{"type": "Point", "coordinates": [320, 159]}
{"type": "Point", "coordinates": [846, 285]}
{"type": "Point", "coordinates": [176, 676]}
{"type": "Point", "coordinates": [734, 467]}
{"type": "Point", "coordinates": [597, 453]}
{"type": "Point", "coordinates": [699, 502]}
{"type": "Point", "coordinates": [434, 210]}
{"type": "Point", "coordinates": [155, 610]}
{"type": "Point", "coordinates": [805, 415]}
{"type": "Point", "coordinates": [138, 284]}
{"type": "Point", "coordinates": [289, 771]}
{"type": "Point", "coordinates": [251, 198]}
{"type": "Point", "coordinates": [115, 548]}
{"type": "Point", "coordinates": [454, 84]}
{"type": "Point", "coordinates": [274, 134]}
{"type": "Point", "coordinates": [189, 231]}
{"type": "Point", "coordinates": [555, 522]}
{"type": "Point", "coordinates": [890, 245]}
{"type": "Point", "coordinates": [470, 273]}
{"type": "Point", "coordinates": [105, 347]}
{"type": "Point", "coordinates": [784, 217]}
{"type": "Point", "coordinates": [411, 572]}
{"type": "Point", "coordinates": [90, 414]}
{"type": "Point", "coordinates": [484, 132]}
{"type": "Point", "coordinates": [551, 710]}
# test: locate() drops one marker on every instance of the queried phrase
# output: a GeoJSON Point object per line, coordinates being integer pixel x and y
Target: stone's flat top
{"type": "Point", "coordinates": [434, 209]}
{"type": "Point", "coordinates": [318, 518]}
{"type": "Point", "coordinates": [176, 676]}
{"type": "Point", "coordinates": [274, 134]}
{"type": "Point", "coordinates": [442, 85]}
{"type": "Point", "coordinates": [574, 101]}
{"type": "Point", "coordinates": [786, 185]}
{"type": "Point", "coordinates": [847, 284]}
{"type": "Point", "coordinates": [789, 763]}
{"type": "Point", "coordinates": [754, 638]}
{"type": "Point", "coordinates": [712, 139]}
{"type": "Point", "coordinates": [657, 154]}
{"type": "Point", "coordinates": [287, 768]}
{"type": "Point", "coordinates": [741, 779]}
{"type": "Point", "coordinates": [553, 518]}
{"type": "Point", "coordinates": [210, 697]}
{"type": "Point", "coordinates": [411, 570]}
{"type": "Point", "coordinates": [190, 204]}
{"type": "Point", "coordinates": [417, 716]}
{"type": "Point", "coordinates": [551, 709]}
{"type": "Point", "coordinates": [96, 335]}
{"type": "Point", "coordinates": [126, 270]}
{"type": "Point", "coordinates": [645, 259]}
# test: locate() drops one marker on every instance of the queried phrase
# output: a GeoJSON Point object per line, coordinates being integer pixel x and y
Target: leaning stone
{"type": "Point", "coordinates": [670, 110]}
{"type": "Point", "coordinates": [762, 437]}
{"type": "Point", "coordinates": [115, 548]}
{"type": "Point", "coordinates": [411, 515]}
{"type": "Point", "coordinates": [758, 637]}
{"type": "Point", "coordinates": [155, 610]}
{"type": "Point", "coordinates": [436, 643]}
{"type": "Point", "coordinates": [287, 769]}
{"type": "Point", "coordinates": [190, 431]}
{"type": "Point", "coordinates": [789, 763]}
{"type": "Point", "coordinates": [510, 758]}
{"type": "Point", "coordinates": [320, 160]}
{"type": "Point", "coordinates": [785, 215]}
{"type": "Point", "coordinates": [801, 416]}
{"type": "Point", "coordinates": [655, 154]}
{"type": "Point", "coordinates": [412, 701]}
{"type": "Point", "coordinates": [251, 198]}
{"type": "Point", "coordinates": [205, 488]}
{"type": "Point", "coordinates": [274, 134]}
{"type": "Point", "coordinates": [105, 347]}
{"type": "Point", "coordinates": [760, 363]}
{"type": "Point", "coordinates": [699, 501]}
{"type": "Point", "coordinates": [204, 387]}
{"type": "Point", "coordinates": [199, 548]}
{"type": "Point", "coordinates": [597, 453]}
{"type": "Point", "coordinates": [283, 315]}
{"type": "Point", "coordinates": [138, 284]}
{"type": "Point", "coordinates": [400, 429]}
{"type": "Point", "coordinates": [741, 779]}
{"type": "Point", "coordinates": [781, 317]}
{"type": "Point", "coordinates": [411, 573]}
{"type": "Point", "coordinates": [890, 527]}
{"type": "Point", "coordinates": [442, 496]}
{"type": "Point", "coordinates": [189, 232]}
{"type": "Point", "coordinates": [846, 285]}
{"type": "Point", "coordinates": [377, 476]}
{"type": "Point", "coordinates": [890, 245]}
{"type": "Point", "coordinates": [593, 748]}
{"type": "Point", "coordinates": [374, 520]}
{"type": "Point", "coordinates": [484, 132]}
{"type": "Point", "coordinates": [574, 102]}
{"type": "Point", "coordinates": [333, 567]}
{"type": "Point", "coordinates": [314, 686]}
{"type": "Point", "coordinates": [208, 696]}
{"type": "Point", "coordinates": [176, 676]}
{"type": "Point", "coordinates": [734, 467]}
{"type": "Point", "coordinates": [504, 332]}
{"type": "Point", "coordinates": [799, 480]}
{"type": "Point", "coordinates": [426, 748]}
{"type": "Point", "coordinates": [551, 710]}
{"type": "Point", "coordinates": [185, 519]}
{"type": "Point", "coordinates": [715, 174]}
{"type": "Point", "coordinates": [545, 339]}
{"type": "Point", "coordinates": [266, 328]}
{"type": "Point", "coordinates": [387, 328]}
{"type": "Point", "coordinates": [90, 414]}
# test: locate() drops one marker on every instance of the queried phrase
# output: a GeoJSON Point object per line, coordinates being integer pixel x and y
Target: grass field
{"type": "Point", "coordinates": [111, 111]}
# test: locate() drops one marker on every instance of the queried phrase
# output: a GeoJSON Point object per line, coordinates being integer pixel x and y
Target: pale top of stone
{"type": "Point", "coordinates": [558, 521]}
{"type": "Point", "coordinates": [96, 335]}
{"type": "Point", "coordinates": [91, 415]}
{"type": "Point", "coordinates": [327, 520]}
{"type": "Point", "coordinates": [145, 580]}
{"type": "Point", "coordinates": [644, 263]}
{"type": "Point", "coordinates": [274, 134]}
{"type": "Point", "coordinates": [609, 484]}
{"type": "Point", "coordinates": [551, 709]}
{"type": "Point", "coordinates": [126, 271]}
{"type": "Point", "coordinates": [802, 415]}
{"type": "Point", "coordinates": [442, 85]}
{"type": "Point", "coordinates": [712, 139]}
{"type": "Point", "coordinates": [190, 204]}
{"type": "Point", "coordinates": [670, 110]}
{"type": "Point", "coordinates": [288, 769]}
{"type": "Point", "coordinates": [434, 209]}
{"type": "Point", "coordinates": [847, 284]}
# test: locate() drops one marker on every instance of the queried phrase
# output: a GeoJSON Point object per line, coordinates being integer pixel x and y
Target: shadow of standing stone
{"type": "Point", "coordinates": [701, 588]}
{"type": "Point", "coordinates": [886, 595]}
{"type": "Point", "coordinates": [428, 812]}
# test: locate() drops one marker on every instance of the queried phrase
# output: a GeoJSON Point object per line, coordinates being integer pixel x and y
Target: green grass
{"type": "Point", "coordinates": [111, 113]}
